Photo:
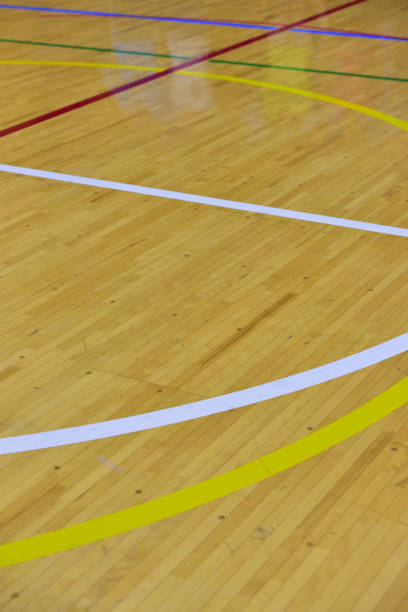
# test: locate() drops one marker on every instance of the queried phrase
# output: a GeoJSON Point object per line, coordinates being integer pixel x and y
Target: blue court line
{"type": "Point", "coordinates": [200, 21]}
{"type": "Point", "coordinates": [351, 34]}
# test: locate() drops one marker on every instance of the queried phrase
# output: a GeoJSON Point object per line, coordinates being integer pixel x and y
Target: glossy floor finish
{"type": "Point", "coordinates": [244, 264]}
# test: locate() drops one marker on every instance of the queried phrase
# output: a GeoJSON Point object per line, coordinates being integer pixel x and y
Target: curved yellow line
{"type": "Point", "coordinates": [399, 123]}
{"type": "Point", "coordinates": [251, 473]}
{"type": "Point", "coordinates": [209, 490]}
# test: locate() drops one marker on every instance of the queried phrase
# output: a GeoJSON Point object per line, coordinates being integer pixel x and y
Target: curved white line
{"type": "Point", "coordinates": [203, 408]}
{"type": "Point", "coordinates": [187, 197]}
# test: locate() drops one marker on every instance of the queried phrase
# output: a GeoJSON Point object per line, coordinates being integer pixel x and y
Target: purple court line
{"type": "Point", "coordinates": [153, 77]}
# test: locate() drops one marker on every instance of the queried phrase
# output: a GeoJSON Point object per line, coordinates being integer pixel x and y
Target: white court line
{"type": "Point", "coordinates": [187, 197]}
{"type": "Point", "coordinates": [223, 403]}
{"type": "Point", "coordinates": [204, 408]}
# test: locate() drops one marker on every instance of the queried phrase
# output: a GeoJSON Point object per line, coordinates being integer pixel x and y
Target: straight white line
{"type": "Point", "coordinates": [187, 197]}
{"type": "Point", "coordinates": [204, 408]}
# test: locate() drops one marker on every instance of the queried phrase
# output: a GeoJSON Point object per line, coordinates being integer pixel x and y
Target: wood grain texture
{"type": "Point", "coordinates": [116, 304]}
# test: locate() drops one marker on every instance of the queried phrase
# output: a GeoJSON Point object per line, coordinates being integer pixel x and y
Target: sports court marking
{"type": "Point", "coordinates": [399, 123]}
{"type": "Point", "coordinates": [213, 489]}
{"type": "Point", "coordinates": [214, 22]}
{"type": "Point", "coordinates": [218, 202]}
{"type": "Point", "coordinates": [223, 403]}
{"type": "Point", "coordinates": [178, 414]}
{"type": "Point", "coordinates": [158, 75]}
{"type": "Point", "coordinates": [144, 53]}
{"type": "Point", "coordinates": [204, 408]}
{"type": "Point", "coordinates": [325, 30]}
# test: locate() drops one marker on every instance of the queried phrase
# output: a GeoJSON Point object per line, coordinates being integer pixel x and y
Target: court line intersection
{"type": "Point", "coordinates": [235, 480]}
{"type": "Point", "coordinates": [163, 55]}
{"type": "Point", "coordinates": [214, 22]}
{"type": "Point", "coordinates": [153, 77]}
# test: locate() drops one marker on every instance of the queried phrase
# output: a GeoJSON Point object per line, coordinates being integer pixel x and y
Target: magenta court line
{"type": "Point", "coordinates": [158, 75]}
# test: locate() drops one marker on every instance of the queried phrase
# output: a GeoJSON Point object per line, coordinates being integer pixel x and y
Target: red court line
{"type": "Point", "coordinates": [260, 23]}
{"type": "Point", "coordinates": [325, 28]}
{"type": "Point", "coordinates": [158, 75]}
{"type": "Point", "coordinates": [248, 22]}
{"type": "Point", "coordinates": [244, 22]}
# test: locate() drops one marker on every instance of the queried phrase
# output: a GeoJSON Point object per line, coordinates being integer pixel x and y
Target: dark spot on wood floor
{"type": "Point", "coordinates": [402, 483]}
{"type": "Point", "coordinates": [243, 331]}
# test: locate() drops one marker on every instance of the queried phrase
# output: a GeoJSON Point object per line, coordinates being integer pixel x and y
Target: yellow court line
{"type": "Point", "coordinates": [78, 64]}
{"type": "Point", "coordinates": [235, 480]}
{"type": "Point", "coordinates": [399, 123]}
{"type": "Point", "coordinates": [208, 490]}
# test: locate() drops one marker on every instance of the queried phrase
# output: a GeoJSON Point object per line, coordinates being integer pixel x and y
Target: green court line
{"type": "Point", "coordinates": [214, 61]}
